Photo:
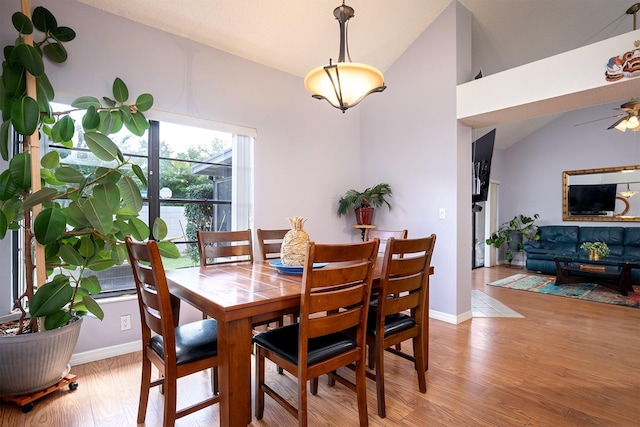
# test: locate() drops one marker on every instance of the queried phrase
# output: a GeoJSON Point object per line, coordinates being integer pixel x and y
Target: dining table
{"type": "Point", "coordinates": [239, 295]}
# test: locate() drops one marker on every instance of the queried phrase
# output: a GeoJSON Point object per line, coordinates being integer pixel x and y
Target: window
{"type": "Point", "coordinates": [200, 176]}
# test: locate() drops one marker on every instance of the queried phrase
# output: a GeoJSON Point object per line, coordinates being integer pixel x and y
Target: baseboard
{"type": "Point", "coordinates": [105, 353]}
{"type": "Point", "coordinates": [450, 318]}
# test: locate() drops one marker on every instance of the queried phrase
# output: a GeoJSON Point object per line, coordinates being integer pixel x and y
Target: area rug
{"type": "Point", "coordinates": [584, 291]}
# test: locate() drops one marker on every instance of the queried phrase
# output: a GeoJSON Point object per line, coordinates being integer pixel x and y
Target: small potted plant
{"type": "Point", "coordinates": [364, 202]}
{"type": "Point", "coordinates": [514, 233]}
{"type": "Point", "coordinates": [596, 250]}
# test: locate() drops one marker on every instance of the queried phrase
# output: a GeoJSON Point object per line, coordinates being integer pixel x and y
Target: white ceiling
{"type": "Point", "coordinates": [295, 35]}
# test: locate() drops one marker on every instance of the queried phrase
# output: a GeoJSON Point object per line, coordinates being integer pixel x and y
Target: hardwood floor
{"type": "Point", "coordinates": [566, 363]}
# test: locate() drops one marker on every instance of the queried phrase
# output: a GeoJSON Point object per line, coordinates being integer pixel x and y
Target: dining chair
{"type": "Point", "coordinates": [401, 312]}
{"type": "Point", "coordinates": [334, 299]}
{"type": "Point", "coordinates": [383, 235]}
{"type": "Point", "coordinates": [223, 247]}
{"type": "Point", "coordinates": [175, 350]}
{"type": "Point", "coordinates": [270, 242]}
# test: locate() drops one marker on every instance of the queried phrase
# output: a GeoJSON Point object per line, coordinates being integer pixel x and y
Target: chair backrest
{"type": "Point", "coordinates": [384, 235]}
{"type": "Point", "coordinates": [405, 277]}
{"type": "Point", "coordinates": [336, 298]}
{"type": "Point", "coordinates": [222, 247]}
{"type": "Point", "coordinates": [159, 310]}
{"type": "Point", "coordinates": [270, 242]}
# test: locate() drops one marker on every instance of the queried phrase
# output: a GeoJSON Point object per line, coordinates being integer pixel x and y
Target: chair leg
{"type": "Point", "coordinates": [302, 402]}
{"type": "Point", "coordinates": [259, 392]}
{"type": "Point", "coordinates": [145, 384]}
{"type": "Point", "coordinates": [314, 386]}
{"type": "Point", "coordinates": [170, 401]}
{"type": "Point", "coordinates": [420, 364]}
{"type": "Point", "coordinates": [361, 390]}
{"type": "Point", "coordinates": [382, 410]}
{"type": "Point", "coordinates": [214, 380]}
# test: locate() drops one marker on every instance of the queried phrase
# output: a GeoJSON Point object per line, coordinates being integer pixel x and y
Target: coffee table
{"type": "Point", "coordinates": [610, 273]}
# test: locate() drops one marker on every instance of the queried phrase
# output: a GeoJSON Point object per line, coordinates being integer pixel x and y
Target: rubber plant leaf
{"type": "Point", "coordinates": [43, 20]}
{"type": "Point", "coordinates": [71, 256]}
{"type": "Point", "coordinates": [51, 297]}
{"type": "Point", "coordinates": [168, 250]}
{"type": "Point", "coordinates": [139, 230]}
{"type": "Point", "coordinates": [97, 212]}
{"type": "Point", "coordinates": [144, 102]}
{"type": "Point", "coordinates": [101, 146]}
{"type": "Point", "coordinates": [49, 225]}
{"type": "Point", "coordinates": [120, 90]}
{"type": "Point", "coordinates": [63, 130]}
{"type": "Point", "coordinates": [67, 174]}
{"type": "Point", "coordinates": [29, 57]}
{"type": "Point", "coordinates": [20, 170]}
{"type": "Point", "coordinates": [101, 264]}
{"type": "Point", "coordinates": [22, 23]}
{"type": "Point", "coordinates": [56, 320]}
{"type": "Point", "coordinates": [55, 52]}
{"type": "Point", "coordinates": [43, 195]}
{"type": "Point", "coordinates": [25, 115]}
{"type": "Point", "coordinates": [4, 139]}
{"type": "Point", "coordinates": [130, 193]}
{"type": "Point", "coordinates": [84, 102]}
{"type": "Point", "coordinates": [108, 193]}
{"type": "Point", "coordinates": [160, 229]}
{"type": "Point", "coordinates": [93, 307]}
{"type": "Point", "coordinates": [139, 125]}
{"type": "Point", "coordinates": [51, 160]}
{"type": "Point", "coordinates": [75, 214]}
{"type": "Point", "coordinates": [140, 174]}
{"type": "Point", "coordinates": [7, 187]}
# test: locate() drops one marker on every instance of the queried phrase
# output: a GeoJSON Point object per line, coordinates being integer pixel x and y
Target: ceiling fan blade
{"type": "Point", "coordinates": [603, 118]}
{"type": "Point", "coordinates": [617, 123]}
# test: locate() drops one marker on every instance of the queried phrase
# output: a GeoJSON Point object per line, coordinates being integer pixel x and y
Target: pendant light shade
{"type": "Point", "coordinates": [344, 84]}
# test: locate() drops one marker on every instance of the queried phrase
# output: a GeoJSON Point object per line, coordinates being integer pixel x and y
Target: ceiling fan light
{"type": "Point", "coordinates": [633, 122]}
{"type": "Point", "coordinates": [622, 125]}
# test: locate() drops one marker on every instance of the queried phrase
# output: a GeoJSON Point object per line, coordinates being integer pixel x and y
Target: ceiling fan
{"type": "Point", "coordinates": [628, 119]}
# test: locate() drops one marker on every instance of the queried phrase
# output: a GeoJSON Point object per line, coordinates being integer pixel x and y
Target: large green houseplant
{"type": "Point", "coordinates": [73, 221]}
{"type": "Point", "coordinates": [514, 233]}
{"type": "Point", "coordinates": [363, 202]}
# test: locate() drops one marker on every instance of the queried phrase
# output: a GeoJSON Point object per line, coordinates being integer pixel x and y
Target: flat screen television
{"type": "Point", "coordinates": [482, 152]}
{"type": "Point", "coordinates": [592, 199]}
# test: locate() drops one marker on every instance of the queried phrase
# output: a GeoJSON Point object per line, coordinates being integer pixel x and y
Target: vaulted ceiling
{"type": "Point", "coordinates": [295, 36]}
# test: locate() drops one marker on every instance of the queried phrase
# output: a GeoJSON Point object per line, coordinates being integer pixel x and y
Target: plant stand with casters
{"type": "Point", "coordinates": [26, 401]}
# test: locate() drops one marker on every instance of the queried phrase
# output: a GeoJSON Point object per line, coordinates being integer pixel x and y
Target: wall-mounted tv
{"type": "Point", "coordinates": [592, 199]}
{"type": "Point", "coordinates": [482, 152]}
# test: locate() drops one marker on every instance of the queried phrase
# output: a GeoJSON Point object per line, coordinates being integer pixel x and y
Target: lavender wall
{"type": "Point", "coordinates": [410, 138]}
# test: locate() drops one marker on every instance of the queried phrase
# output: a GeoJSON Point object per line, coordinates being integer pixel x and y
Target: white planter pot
{"type": "Point", "coordinates": [33, 362]}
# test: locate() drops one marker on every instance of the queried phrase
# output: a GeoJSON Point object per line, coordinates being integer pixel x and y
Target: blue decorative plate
{"type": "Point", "coordinates": [297, 269]}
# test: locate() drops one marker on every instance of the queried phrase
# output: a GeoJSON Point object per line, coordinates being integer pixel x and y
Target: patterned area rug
{"type": "Point", "coordinates": [585, 291]}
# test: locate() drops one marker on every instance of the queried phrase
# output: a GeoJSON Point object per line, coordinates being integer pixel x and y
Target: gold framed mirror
{"type": "Point", "coordinates": [624, 180]}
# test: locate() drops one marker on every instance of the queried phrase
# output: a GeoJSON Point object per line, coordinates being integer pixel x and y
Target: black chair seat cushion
{"type": "Point", "coordinates": [284, 342]}
{"type": "Point", "coordinates": [393, 323]}
{"type": "Point", "coordinates": [194, 341]}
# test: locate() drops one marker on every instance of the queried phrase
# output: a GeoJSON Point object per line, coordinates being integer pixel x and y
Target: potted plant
{"type": "Point", "coordinates": [514, 233]}
{"type": "Point", "coordinates": [596, 250]}
{"type": "Point", "coordinates": [73, 222]}
{"type": "Point", "coordinates": [364, 202]}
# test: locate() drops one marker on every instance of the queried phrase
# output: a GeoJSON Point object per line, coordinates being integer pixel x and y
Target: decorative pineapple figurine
{"type": "Point", "coordinates": [294, 244]}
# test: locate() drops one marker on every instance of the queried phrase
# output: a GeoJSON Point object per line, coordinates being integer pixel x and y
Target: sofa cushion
{"type": "Point", "coordinates": [559, 233]}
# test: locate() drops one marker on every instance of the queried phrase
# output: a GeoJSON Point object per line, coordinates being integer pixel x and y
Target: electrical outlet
{"type": "Point", "coordinates": [125, 322]}
{"type": "Point", "coordinates": [442, 213]}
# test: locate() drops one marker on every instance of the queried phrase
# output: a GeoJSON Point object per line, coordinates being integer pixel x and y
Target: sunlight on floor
{"type": "Point", "coordinates": [482, 305]}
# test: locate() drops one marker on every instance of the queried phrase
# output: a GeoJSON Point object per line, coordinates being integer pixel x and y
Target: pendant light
{"type": "Point", "coordinates": [628, 193]}
{"type": "Point", "coordinates": [343, 84]}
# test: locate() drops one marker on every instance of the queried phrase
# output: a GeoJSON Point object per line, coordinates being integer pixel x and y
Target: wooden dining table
{"type": "Point", "coordinates": [238, 296]}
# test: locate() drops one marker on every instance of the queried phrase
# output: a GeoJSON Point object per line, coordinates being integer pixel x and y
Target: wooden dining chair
{"type": "Point", "coordinates": [401, 311]}
{"type": "Point", "coordinates": [176, 351]}
{"type": "Point", "coordinates": [223, 247]}
{"type": "Point", "coordinates": [270, 242]}
{"type": "Point", "coordinates": [334, 299]}
{"type": "Point", "coordinates": [383, 235]}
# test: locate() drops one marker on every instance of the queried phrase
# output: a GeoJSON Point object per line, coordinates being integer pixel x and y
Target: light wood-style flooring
{"type": "Point", "coordinates": [566, 363]}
